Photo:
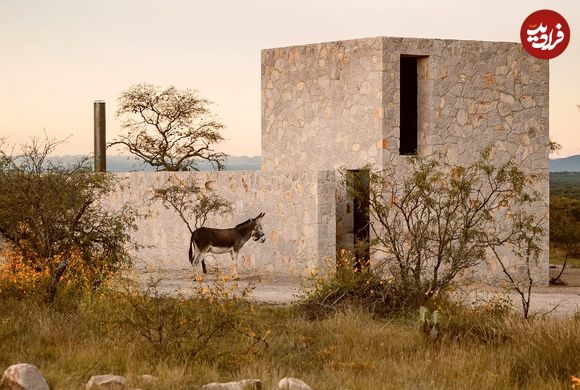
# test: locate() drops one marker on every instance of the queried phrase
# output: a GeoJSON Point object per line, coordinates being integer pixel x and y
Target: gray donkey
{"type": "Point", "coordinates": [208, 240]}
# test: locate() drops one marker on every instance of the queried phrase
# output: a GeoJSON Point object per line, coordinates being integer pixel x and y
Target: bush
{"type": "Point", "coordinates": [431, 220]}
{"type": "Point", "coordinates": [347, 287]}
{"type": "Point", "coordinates": [487, 323]}
{"type": "Point", "coordinates": [203, 326]}
{"type": "Point", "coordinates": [52, 217]}
{"type": "Point", "coordinates": [20, 278]}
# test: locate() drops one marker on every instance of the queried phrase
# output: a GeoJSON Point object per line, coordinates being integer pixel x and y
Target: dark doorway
{"type": "Point", "coordinates": [408, 106]}
{"type": "Point", "coordinates": [359, 184]}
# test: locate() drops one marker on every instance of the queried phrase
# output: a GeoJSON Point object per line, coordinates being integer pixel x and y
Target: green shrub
{"type": "Point", "coordinates": [53, 218]}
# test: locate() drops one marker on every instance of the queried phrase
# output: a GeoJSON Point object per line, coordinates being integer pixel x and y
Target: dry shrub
{"type": "Point", "coordinates": [549, 348]}
{"type": "Point", "coordinates": [207, 325]}
{"type": "Point", "coordinates": [349, 287]}
{"type": "Point", "coordinates": [487, 323]}
{"type": "Point", "coordinates": [21, 277]}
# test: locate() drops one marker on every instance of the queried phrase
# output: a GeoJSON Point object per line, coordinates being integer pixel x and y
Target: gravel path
{"type": "Point", "coordinates": [279, 289]}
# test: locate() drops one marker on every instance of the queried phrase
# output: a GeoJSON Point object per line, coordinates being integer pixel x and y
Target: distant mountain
{"type": "Point", "coordinates": [245, 163]}
{"type": "Point", "coordinates": [566, 164]}
{"type": "Point", "coordinates": [131, 163]}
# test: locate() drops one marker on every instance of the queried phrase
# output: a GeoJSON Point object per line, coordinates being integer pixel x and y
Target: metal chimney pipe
{"type": "Point", "coordinates": [100, 136]}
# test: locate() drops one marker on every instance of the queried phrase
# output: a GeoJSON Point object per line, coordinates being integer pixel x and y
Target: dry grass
{"type": "Point", "coordinates": [349, 349]}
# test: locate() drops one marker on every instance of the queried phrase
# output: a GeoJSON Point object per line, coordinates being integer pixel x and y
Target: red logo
{"type": "Point", "coordinates": [545, 34]}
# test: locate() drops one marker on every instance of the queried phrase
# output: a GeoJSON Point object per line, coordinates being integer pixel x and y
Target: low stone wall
{"type": "Point", "coordinates": [299, 220]}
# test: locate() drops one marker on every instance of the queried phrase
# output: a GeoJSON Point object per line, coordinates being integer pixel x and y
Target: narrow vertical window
{"type": "Point", "coordinates": [408, 106]}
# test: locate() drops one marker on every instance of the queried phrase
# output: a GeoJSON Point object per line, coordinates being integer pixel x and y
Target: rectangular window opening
{"type": "Point", "coordinates": [408, 106]}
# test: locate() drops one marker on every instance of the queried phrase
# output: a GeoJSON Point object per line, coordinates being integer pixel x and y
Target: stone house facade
{"type": "Point", "coordinates": [354, 103]}
{"type": "Point", "coordinates": [373, 101]}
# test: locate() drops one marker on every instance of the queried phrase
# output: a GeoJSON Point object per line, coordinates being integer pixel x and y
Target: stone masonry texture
{"type": "Point", "coordinates": [299, 220]}
{"type": "Point", "coordinates": [335, 105]}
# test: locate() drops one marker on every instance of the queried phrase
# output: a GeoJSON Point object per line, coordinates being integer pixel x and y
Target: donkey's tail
{"type": "Point", "coordinates": [191, 250]}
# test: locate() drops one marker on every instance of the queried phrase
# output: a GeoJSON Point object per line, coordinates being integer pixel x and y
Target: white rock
{"type": "Point", "coordinates": [106, 382]}
{"type": "Point", "coordinates": [148, 379]}
{"type": "Point", "coordinates": [23, 376]}
{"type": "Point", "coordinates": [246, 384]}
{"type": "Point", "coordinates": [292, 384]}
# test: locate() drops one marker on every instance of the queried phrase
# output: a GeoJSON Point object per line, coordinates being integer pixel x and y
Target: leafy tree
{"type": "Point", "coordinates": [170, 129]}
{"type": "Point", "coordinates": [432, 220]}
{"type": "Point", "coordinates": [554, 146]}
{"type": "Point", "coordinates": [191, 203]}
{"type": "Point", "coordinates": [50, 213]}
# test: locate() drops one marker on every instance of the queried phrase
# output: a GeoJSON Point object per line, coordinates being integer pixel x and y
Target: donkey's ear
{"type": "Point", "coordinates": [260, 216]}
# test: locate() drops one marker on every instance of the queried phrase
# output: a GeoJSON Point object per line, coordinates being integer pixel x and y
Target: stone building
{"type": "Point", "coordinates": [354, 103]}
{"type": "Point", "coordinates": [339, 104]}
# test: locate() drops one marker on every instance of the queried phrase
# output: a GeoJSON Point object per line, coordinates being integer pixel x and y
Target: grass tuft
{"type": "Point", "coordinates": [349, 347]}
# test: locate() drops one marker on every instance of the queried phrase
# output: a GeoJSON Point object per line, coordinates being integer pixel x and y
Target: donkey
{"type": "Point", "coordinates": [208, 240]}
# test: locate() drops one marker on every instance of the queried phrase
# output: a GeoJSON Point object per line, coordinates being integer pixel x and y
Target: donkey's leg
{"type": "Point", "coordinates": [234, 253]}
{"type": "Point", "coordinates": [201, 257]}
{"type": "Point", "coordinates": [191, 245]}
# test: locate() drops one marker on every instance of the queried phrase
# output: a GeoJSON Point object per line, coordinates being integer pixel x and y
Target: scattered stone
{"type": "Point", "coordinates": [23, 376]}
{"type": "Point", "coordinates": [106, 382]}
{"type": "Point", "coordinates": [292, 384]}
{"type": "Point", "coordinates": [246, 384]}
{"type": "Point", "coordinates": [148, 379]}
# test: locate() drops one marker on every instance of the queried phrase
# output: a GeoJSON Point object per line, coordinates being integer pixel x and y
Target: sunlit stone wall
{"type": "Point", "coordinates": [336, 104]}
{"type": "Point", "coordinates": [299, 220]}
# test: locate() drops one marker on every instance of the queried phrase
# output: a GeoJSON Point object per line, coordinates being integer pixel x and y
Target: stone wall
{"type": "Point", "coordinates": [299, 223]}
{"type": "Point", "coordinates": [322, 105]}
{"type": "Point", "coordinates": [336, 104]}
{"type": "Point", "coordinates": [473, 94]}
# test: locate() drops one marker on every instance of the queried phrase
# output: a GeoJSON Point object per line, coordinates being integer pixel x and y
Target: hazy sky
{"type": "Point", "coordinates": [57, 57]}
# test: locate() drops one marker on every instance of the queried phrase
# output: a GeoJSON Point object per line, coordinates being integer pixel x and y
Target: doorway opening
{"type": "Point", "coordinates": [358, 182]}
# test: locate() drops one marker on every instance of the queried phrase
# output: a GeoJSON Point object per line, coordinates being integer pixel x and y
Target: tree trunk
{"type": "Point", "coordinates": [557, 280]}
{"type": "Point", "coordinates": [55, 279]}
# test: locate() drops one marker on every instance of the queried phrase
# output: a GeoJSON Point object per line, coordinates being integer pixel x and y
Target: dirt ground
{"type": "Point", "coordinates": [570, 277]}
{"type": "Point", "coordinates": [276, 289]}
{"type": "Point", "coordinates": [558, 300]}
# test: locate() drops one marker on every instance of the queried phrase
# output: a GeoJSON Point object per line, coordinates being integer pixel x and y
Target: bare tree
{"type": "Point", "coordinates": [432, 220]}
{"type": "Point", "coordinates": [564, 228]}
{"type": "Point", "coordinates": [170, 129]}
{"type": "Point", "coordinates": [524, 240]}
